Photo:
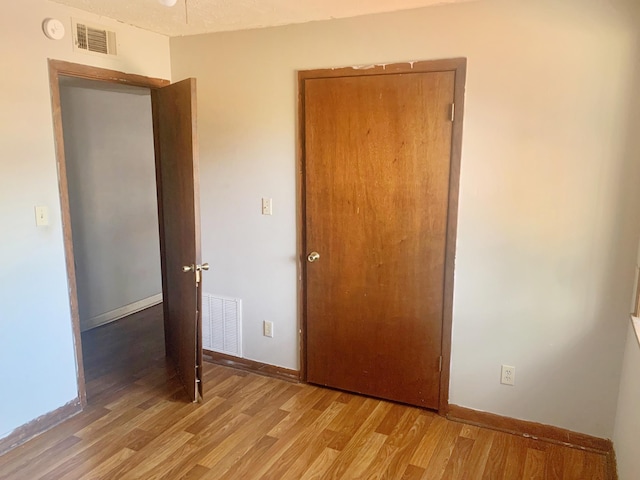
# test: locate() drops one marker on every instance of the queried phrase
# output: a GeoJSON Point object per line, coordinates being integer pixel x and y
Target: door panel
{"type": "Point", "coordinates": [174, 116]}
{"type": "Point", "coordinates": [377, 166]}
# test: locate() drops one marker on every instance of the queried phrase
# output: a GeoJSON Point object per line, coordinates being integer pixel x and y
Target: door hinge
{"type": "Point", "coordinates": [440, 364]}
{"type": "Point", "coordinates": [453, 112]}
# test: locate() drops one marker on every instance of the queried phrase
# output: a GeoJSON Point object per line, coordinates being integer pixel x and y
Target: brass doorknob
{"type": "Point", "coordinates": [195, 268]}
{"type": "Point", "coordinates": [313, 256]}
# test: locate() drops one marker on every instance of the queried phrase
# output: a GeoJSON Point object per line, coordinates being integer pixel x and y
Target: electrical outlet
{"type": "Point", "coordinates": [267, 328]}
{"type": "Point", "coordinates": [508, 375]}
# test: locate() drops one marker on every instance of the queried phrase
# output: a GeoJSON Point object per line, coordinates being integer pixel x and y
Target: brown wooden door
{"type": "Point", "coordinates": [376, 183]}
{"type": "Point", "coordinates": [174, 118]}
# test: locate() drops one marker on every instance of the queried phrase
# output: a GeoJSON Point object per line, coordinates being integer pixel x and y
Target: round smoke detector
{"type": "Point", "coordinates": [53, 28]}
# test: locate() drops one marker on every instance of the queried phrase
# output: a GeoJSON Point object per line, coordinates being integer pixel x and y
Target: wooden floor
{"type": "Point", "coordinates": [139, 425]}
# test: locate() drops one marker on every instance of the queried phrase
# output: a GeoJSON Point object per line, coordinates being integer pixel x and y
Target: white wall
{"type": "Point", "coordinates": [627, 428]}
{"type": "Point", "coordinates": [548, 220]}
{"type": "Point", "coordinates": [38, 371]}
{"type": "Point", "coordinates": [108, 140]}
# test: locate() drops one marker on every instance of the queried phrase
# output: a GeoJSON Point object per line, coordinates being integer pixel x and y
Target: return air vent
{"type": "Point", "coordinates": [222, 324]}
{"type": "Point", "coordinates": [94, 39]}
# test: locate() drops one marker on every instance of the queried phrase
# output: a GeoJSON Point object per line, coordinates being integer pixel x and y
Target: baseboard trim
{"type": "Point", "coordinates": [121, 312]}
{"type": "Point", "coordinates": [539, 431]}
{"type": "Point", "coordinates": [524, 428]}
{"type": "Point", "coordinates": [39, 425]}
{"type": "Point", "coordinates": [252, 366]}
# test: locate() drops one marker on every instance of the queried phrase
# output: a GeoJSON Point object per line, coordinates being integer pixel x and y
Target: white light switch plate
{"type": "Point", "coordinates": [42, 216]}
{"type": "Point", "coordinates": [267, 206]}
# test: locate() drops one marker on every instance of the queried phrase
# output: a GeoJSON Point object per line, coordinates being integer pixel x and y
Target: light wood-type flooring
{"type": "Point", "coordinates": [139, 425]}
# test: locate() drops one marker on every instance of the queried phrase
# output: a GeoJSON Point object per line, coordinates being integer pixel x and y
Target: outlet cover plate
{"type": "Point", "coordinates": [508, 376]}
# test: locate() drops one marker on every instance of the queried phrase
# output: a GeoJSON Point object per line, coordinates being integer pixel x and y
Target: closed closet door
{"type": "Point", "coordinates": [376, 168]}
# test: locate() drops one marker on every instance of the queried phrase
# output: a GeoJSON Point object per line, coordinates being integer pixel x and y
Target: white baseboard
{"type": "Point", "coordinates": [121, 312]}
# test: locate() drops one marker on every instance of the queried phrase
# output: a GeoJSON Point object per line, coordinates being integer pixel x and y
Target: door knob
{"type": "Point", "coordinates": [195, 268]}
{"type": "Point", "coordinates": [313, 256]}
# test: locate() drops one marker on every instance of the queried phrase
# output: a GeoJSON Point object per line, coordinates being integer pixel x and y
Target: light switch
{"type": "Point", "coordinates": [42, 216]}
{"type": "Point", "coordinates": [267, 206]}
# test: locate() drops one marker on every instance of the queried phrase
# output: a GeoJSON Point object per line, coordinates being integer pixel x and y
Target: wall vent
{"type": "Point", "coordinates": [93, 38]}
{"type": "Point", "coordinates": [222, 324]}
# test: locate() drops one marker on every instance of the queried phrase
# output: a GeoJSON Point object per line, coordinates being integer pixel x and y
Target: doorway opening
{"type": "Point", "coordinates": [121, 202]}
{"type": "Point", "coordinates": [110, 160]}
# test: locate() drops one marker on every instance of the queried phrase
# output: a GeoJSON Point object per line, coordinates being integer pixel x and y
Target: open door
{"type": "Point", "coordinates": [174, 125]}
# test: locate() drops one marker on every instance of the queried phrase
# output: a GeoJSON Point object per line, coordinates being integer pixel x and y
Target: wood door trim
{"type": "Point", "coordinates": [425, 66]}
{"type": "Point", "coordinates": [59, 68]}
{"type": "Point", "coordinates": [459, 67]}
{"type": "Point", "coordinates": [452, 232]}
{"type": "Point", "coordinates": [104, 75]}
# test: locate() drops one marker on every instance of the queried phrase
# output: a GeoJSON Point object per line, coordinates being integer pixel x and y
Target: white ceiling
{"type": "Point", "coordinates": [190, 17]}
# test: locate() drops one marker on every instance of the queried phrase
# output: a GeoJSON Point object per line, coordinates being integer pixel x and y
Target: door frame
{"type": "Point", "coordinates": [459, 67]}
{"type": "Point", "coordinates": [59, 68]}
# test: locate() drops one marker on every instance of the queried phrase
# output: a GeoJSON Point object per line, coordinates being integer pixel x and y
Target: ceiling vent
{"type": "Point", "coordinates": [93, 39]}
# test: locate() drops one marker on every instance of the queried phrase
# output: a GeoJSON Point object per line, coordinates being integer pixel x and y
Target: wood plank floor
{"type": "Point", "coordinates": [139, 425]}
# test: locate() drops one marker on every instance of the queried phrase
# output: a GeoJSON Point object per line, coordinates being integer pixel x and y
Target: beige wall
{"type": "Point", "coordinates": [38, 371]}
{"type": "Point", "coordinates": [548, 217]}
